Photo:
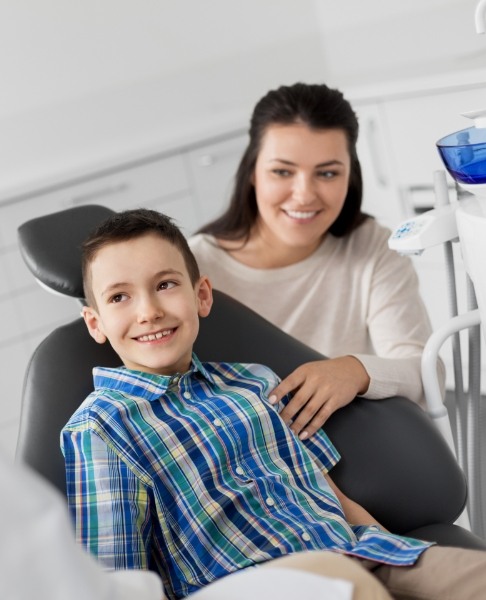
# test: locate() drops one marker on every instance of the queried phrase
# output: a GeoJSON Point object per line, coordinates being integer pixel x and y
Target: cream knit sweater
{"type": "Point", "coordinates": [353, 296]}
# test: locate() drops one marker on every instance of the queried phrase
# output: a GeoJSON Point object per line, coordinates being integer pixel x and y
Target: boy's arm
{"type": "Point", "coordinates": [108, 502]}
{"type": "Point", "coordinates": [355, 514]}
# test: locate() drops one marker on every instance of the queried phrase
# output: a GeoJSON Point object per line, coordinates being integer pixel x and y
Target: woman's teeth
{"type": "Point", "coordinates": [299, 214]}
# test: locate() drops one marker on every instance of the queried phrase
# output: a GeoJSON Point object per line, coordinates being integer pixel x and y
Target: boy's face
{"type": "Point", "coordinates": [147, 307]}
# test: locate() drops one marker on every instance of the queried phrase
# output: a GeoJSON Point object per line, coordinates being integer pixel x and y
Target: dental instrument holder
{"type": "Point", "coordinates": [463, 221]}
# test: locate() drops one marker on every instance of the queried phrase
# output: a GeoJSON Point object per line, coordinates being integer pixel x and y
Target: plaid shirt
{"type": "Point", "coordinates": [196, 476]}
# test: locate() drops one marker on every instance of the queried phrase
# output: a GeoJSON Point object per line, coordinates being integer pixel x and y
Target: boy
{"type": "Point", "coordinates": [186, 468]}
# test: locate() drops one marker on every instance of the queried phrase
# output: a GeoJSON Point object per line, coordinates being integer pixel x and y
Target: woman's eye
{"type": "Point", "coordinates": [326, 174]}
{"type": "Point", "coordinates": [281, 172]}
{"type": "Point", "coordinates": [166, 285]}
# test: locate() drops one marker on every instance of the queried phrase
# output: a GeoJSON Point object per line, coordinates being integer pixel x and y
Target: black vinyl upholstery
{"type": "Point", "coordinates": [394, 461]}
{"type": "Point", "coordinates": [51, 246]}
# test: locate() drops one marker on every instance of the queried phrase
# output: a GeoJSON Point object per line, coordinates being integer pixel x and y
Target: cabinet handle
{"type": "Point", "coordinates": [109, 190]}
{"type": "Point", "coordinates": [376, 158]}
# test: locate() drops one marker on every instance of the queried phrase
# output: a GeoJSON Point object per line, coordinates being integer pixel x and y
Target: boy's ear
{"type": "Point", "coordinates": [204, 292]}
{"type": "Point", "coordinates": [92, 321]}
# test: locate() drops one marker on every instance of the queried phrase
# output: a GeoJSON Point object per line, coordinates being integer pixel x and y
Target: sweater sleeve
{"type": "Point", "coordinates": [398, 326]}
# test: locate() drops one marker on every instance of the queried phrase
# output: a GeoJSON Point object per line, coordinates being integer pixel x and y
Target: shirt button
{"type": "Point", "coordinates": [270, 501]}
{"type": "Point", "coordinates": [187, 395]}
{"type": "Point", "coordinates": [175, 379]}
{"type": "Point", "coordinates": [306, 537]}
{"type": "Point", "coordinates": [217, 422]}
{"type": "Point", "coordinates": [240, 471]}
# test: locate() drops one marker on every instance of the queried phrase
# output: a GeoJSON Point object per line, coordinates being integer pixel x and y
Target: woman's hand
{"type": "Point", "coordinates": [318, 389]}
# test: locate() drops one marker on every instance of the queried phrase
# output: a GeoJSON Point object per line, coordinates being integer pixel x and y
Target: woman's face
{"type": "Point", "coordinates": [301, 180]}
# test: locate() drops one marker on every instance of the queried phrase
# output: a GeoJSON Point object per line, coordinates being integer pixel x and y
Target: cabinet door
{"type": "Point", "coordinates": [380, 193]}
{"type": "Point", "coordinates": [13, 358]}
{"type": "Point", "coordinates": [211, 169]}
{"type": "Point", "coordinates": [127, 187]}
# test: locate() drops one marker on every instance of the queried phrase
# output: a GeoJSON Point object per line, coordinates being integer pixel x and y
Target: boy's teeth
{"type": "Point", "coordinates": [154, 336]}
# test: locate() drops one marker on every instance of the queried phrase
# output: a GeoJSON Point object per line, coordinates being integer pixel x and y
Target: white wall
{"type": "Point", "coordinates": [372, 41]}
{"type": "Point", "coordinates": [55, 51]}
{"type": "Point", "coordinates": [86, 83]}
{"type": "Point", "coordinates": [58, 50]}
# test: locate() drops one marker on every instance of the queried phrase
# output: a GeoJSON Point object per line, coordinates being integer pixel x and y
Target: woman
{"type": "Point", "coordinates": [295, 247]}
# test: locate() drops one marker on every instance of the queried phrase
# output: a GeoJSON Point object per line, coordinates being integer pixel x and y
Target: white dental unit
{"type": "Point", "coordinates": [463, 221]}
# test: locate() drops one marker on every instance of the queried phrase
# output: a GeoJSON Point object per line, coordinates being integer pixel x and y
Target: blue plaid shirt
{"type": "Point", "coordinates": [196, 476]}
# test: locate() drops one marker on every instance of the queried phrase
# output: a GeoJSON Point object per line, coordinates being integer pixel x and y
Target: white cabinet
{"type": "Point", "coordinates": [189, 184]}
{"type": "Point", "coordinates": [211, 169]}
{"type": "Point", "coordinates": [380, 193]}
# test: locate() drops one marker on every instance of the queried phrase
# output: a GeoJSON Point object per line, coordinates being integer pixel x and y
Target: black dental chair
{"type": "Point", "coordinates": [394, 461]}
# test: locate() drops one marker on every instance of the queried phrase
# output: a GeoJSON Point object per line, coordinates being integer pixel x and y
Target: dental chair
{"type": "Point", "coordinates": [394, 461]}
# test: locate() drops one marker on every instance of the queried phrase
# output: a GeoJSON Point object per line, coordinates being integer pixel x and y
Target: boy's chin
{"type": "Point", "coordinates": [164, 370]}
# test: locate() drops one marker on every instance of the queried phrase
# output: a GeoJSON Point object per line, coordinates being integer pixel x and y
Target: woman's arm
{"type": "Point", "coordinates": [395, 319]}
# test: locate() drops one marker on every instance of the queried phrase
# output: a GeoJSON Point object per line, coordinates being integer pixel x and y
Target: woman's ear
{"type": "Point", "coordinates": [204, 292]}
{"type": "Point", "coordinates": [92, 320]}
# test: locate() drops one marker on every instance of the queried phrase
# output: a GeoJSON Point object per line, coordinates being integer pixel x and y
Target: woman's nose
{"type": "Point", "coordinates": [304, 190]}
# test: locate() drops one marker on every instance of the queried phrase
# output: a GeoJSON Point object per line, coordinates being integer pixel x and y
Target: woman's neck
{"type": "Point", "coordinates": [259, 252]}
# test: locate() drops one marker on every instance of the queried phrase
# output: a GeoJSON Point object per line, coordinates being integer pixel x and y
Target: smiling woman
{"type": "Point", "coordinates": [295, 247]}
{"type": "Point", "coordinates": [301, 180]}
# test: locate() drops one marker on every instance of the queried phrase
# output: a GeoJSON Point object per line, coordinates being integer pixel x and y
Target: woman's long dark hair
{"type": "Point", "coordinates": [318, 107]}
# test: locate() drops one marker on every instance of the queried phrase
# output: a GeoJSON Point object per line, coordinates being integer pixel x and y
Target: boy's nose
{"type": "Point", "coordinates": [149, 311]}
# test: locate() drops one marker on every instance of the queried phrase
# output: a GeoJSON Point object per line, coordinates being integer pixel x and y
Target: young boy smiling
{"type": "Point", "coordinates": [185, 467]}
{"type": "Point", "coordinates": [145, 300]}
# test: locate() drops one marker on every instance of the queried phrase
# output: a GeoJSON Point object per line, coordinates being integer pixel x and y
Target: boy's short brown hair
{"type": "Point", "coordinates": [127, 225]}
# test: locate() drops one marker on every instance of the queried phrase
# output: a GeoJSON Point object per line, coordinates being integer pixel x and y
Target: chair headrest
{"type": "Point", "coordinates": [51, 246]}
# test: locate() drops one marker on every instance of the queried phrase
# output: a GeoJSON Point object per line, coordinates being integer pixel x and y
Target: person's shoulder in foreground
{"type": "Point", "coordinates": [39, 556]}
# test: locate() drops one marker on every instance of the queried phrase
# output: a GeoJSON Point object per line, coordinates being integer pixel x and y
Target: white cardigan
{"type": "Point", "coordinates": [353, 296]}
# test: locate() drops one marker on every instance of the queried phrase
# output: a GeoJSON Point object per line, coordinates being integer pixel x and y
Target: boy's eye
{"type": "Point", "coordinates": [118, 298]}
{"type": "Point", "coordinates": [166, 285]}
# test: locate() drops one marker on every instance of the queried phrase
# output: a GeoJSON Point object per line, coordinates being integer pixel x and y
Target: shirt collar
{"type": "Point", "coordinates": [143, 385]}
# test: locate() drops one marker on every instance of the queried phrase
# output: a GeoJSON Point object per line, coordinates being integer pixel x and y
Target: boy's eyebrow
{"type": "Point", "coordinates": [327, 163]}
{"type": "Point", "coordinates": [121, 284]}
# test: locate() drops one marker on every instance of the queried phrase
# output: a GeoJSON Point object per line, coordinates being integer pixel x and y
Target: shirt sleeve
{"type": "Point", "coordinates": [109, 504]}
